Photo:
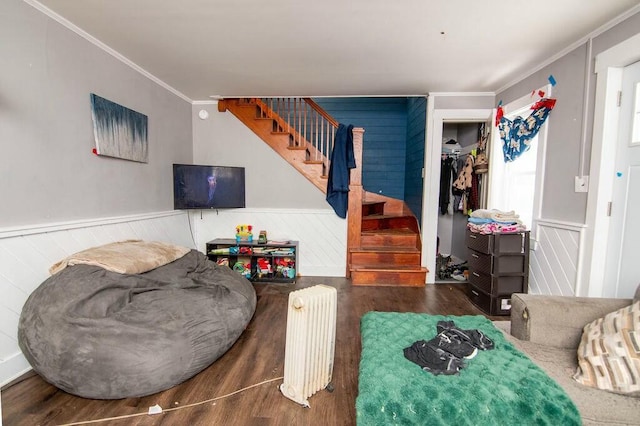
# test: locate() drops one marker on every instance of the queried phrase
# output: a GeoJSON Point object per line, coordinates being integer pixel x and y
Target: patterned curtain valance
{"type": "Point", "coordinates": [516, 134]}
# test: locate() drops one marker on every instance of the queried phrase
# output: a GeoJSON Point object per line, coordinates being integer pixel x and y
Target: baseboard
{"type": "Point", "coordinates": [325, 271]}
{"type": "Point", "coordinates": [12, 370]}
{"type": "Point", "coordinates": [19, 379]}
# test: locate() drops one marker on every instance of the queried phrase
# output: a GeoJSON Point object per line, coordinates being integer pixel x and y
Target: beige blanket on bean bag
{"type": "Point", "coordinates": [125, 257]}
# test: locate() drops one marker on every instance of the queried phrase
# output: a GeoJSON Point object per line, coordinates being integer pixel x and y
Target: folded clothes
{"type": "Point", "coordinates": [483, 213]}
{"type": "Point", "coordinates": [494, 227]}
{"type": "Point", "coordinates": [495, 214]}
{"type": "Point", "coordinates": [479, 220]}
{"type": "Point", "coordinates": [505, 218]}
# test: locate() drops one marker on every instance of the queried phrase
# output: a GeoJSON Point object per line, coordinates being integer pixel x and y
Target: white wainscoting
{"type": "Point", "coordinates": [322, 235]}
{"type": "Point", "coordinates": [27, 253]}
{"type": "Point", "coordinates": [555, 257]}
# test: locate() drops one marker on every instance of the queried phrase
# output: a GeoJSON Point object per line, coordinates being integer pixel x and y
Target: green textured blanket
{"type": "Point", "coordinates": [499, 386]}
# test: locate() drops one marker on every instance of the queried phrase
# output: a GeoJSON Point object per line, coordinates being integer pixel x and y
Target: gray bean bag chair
{"type": "Point", "coordinates": [106, 335]}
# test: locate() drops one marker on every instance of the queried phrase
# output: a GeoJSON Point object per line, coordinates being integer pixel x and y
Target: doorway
{"type": "Point", "coordinates": [459, 141]}
{"type": "Point", "coordinates": [436, 118]}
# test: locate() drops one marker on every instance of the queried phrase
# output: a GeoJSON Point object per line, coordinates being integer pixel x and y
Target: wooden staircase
{"type": "Point", "coordinates": [390, 249]}
{"type": "Point", "coordinates": [383, 241]}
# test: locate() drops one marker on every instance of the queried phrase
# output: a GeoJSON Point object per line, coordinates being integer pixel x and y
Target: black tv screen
{"type": "Point", "coordinates": [207, 187]}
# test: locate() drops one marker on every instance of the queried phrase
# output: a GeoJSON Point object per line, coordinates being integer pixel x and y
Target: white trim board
{"type": "Point", "coordinates": [82, 223]}
{"type": "Point", "coordinates": [555, 259]}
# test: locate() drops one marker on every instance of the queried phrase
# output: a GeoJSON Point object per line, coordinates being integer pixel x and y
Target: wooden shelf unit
{"type": "Point", "coordinates": [281, 256]}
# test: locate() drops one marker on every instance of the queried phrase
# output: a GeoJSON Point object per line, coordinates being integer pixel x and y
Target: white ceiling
{"type": "Point", "coordinates": [205, 48]}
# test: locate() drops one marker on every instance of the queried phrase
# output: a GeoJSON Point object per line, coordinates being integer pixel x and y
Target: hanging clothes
{"type": "Point", "coordinates": [473, 202]}
{"type": "Point", "coordinates": [446, 172]}
{"type": "Point", "coordinates": [342, 160]}
{"type": "Point", "coordinates": [458, 195]}
{"type": "Point", "coordinates": [463, 181]}
{"type": "Point", "coordinates": [517, 133]}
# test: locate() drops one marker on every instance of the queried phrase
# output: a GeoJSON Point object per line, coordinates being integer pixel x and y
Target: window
{"type": "Point", "coordinates": [517, 185]}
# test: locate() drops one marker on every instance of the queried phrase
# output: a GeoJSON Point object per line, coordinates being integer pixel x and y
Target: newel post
{"type": "Point", "coordinates": [354, 216]}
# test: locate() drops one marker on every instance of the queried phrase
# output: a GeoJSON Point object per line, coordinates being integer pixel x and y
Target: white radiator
{"type": "Point", "coordinates": [311, 340]}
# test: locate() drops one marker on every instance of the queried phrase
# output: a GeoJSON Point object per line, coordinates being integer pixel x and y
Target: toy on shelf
{"type": "Point", "coordinates": [262, 237]}
{"type": "Point", "coordinates": [285, 267]}
{"type": "Point", "coordinates": [245, 250]}
{"type": "Point", "coordinates": [264, 267]}
{"type": "Point", "coordinates": [243, 233]}
{"type": "Point", "coordinates": [243, 268]}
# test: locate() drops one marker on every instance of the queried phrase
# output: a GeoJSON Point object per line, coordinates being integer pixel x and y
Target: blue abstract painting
{"type": "Point", "coordinates": [119, 131]}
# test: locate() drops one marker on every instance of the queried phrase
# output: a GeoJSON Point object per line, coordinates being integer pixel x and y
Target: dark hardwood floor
{"type": "Point", "coordinates": [257, 356]}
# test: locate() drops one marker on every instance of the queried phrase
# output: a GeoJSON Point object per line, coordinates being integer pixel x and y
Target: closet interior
{"type": "Point", "coordinates": [463, 171]}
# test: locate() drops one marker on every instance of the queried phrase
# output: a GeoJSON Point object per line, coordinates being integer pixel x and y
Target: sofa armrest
{"type": "Point", "coordinates": [557, 320]}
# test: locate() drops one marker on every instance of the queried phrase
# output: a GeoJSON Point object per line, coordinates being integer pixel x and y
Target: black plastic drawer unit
{"type": "Point", "coordinates": [499, 305]}
{"type": "Point", "coordinates": [497, 285]}
{"type": "Point", "coordinates": [497, 243]}
{"type": "Point", "coordinates": [489, 264]}
{"type": "Point", "coordinates": [498, 267]}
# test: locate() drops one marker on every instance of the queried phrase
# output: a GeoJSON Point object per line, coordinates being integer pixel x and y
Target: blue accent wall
{"type": "Point", "coordinates": [385, 138]}
{"type": "Point", "coordinates": [414, 159]}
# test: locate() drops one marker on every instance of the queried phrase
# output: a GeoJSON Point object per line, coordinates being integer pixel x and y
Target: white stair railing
{"type": "Point", "coordinates": [310, 127]}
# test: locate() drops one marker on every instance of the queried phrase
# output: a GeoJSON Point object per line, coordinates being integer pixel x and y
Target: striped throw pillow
{"type": "Point", "coordinates": [609, 352]}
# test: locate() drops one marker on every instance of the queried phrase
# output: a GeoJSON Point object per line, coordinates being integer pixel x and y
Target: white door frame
{"type": "Point", "coordinates": [432, 154]}
{"type": "Point", "coordinates": [608, 68]}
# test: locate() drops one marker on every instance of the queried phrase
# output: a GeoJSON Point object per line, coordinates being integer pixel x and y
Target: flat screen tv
{"type": "Point", "coordinates": [207, 187]}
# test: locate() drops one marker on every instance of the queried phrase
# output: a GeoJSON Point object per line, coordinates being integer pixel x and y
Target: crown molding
{"type": "Point", "coordinates": [205, 102]}
{"type": "Point", "coordinates": [460, 94]}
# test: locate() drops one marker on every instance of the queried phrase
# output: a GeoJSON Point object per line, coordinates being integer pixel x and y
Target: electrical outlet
{"type": "Point", "coordinates": [582, 184]}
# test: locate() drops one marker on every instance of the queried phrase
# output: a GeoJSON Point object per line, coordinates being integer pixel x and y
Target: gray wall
{"type": "Point", "coordinates": [47, 170]}
{"type": "Point", "coordinates": [477, 101]}
{"type": "Point", "coordinates": [560, 201]}
{"type": "Point", "coordinates": [271, 182]}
